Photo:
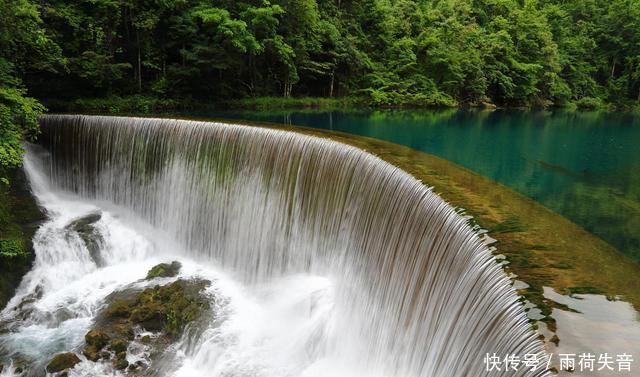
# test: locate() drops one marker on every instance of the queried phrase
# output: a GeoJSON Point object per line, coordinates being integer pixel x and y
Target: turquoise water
{"type": "Point", "coordinates": [585, 166]}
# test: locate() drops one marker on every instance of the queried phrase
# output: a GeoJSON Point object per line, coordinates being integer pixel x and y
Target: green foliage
{"type": "Point", "coordinates": [19, 218]}
{"type": "Point", "coordinates": [589, 103]}
{"type": "Point", "coordinates": [11, 249]}
{"type": "Point", "coordinates": [265, 103]}
{"type": "Point", "coordinates": [24, 47]}
{"type": "Point", "coordinates": [532, 53]}
{"type": "Point", "coordinates": [135, 104]}
{"type": "Point", "coordinates": [18, 119]}
{"type": "Point", "coordinates": [164, 270]}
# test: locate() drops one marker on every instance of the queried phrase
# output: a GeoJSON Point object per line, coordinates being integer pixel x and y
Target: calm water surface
{"type": "Point", "coordinates": [585, 166]}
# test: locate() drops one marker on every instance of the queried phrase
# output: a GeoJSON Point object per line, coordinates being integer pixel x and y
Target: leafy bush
{"type": "Point", "coordinates": [11, 248]}
{"type": "Point", "coordinates": [589, 103]}
{"type": "Point", "coordinates": [433, 99]}
{"type": "Point", "coordinates": [18, 120]}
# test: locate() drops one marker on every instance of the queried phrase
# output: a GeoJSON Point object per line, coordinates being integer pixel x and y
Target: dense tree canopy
{"type": "Point", "coordinates": [534, 53]}
{"type": "Point", "coordinates": [439, 52]}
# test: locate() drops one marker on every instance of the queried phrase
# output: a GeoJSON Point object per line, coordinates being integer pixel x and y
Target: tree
{"type": "Point", "coordinates": [23, 47]}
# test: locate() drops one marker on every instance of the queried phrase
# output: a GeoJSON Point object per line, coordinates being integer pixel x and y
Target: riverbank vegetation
{"type": "Point", "coordinates": [385, 52]}
{"type": "Point", "coordinates": [19, 219]}
{"type": "Point", "coordinates": [116, 56]}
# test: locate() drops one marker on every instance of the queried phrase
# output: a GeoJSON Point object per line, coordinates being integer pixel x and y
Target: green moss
{"type": "Point", "coordinates": [119, 308]}
{"type": "Point", "coordinates": [121, 362]}
{"type": "Point", "coordinates": [172, 324]}
{"type": "Point", "coordinates": [19, 218]}
{"type": "Point", "coordinates": [164, 270]}
{"type": "Point", "coordinates": [119, 345]}
{"type": "Point", "coordinates": [62, 361]}
{"type": "Point", "coordinates": [167, 308]}
{"type": "Point", "coordinates": [511, 224]}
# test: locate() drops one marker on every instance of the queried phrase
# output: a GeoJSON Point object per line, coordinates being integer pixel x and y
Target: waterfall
{"type": "Point", "coordinates": [414, 290]}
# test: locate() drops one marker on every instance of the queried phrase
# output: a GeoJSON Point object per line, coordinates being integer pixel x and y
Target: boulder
{"type": "Point", "coordinates": [62, 361]}
{"type": "Point", "coordinates": [163, 309]}
{"type": "Point", "coordinates": [120, 361]}
{"type": "Point", "coordinates": [95, 342]}
{"type": "Point", "coordinates": [85, 228]}
{"type": "Point", "coordinates": [164, 270]}
{"type": "Point", "coordinates": [119, 345]}
{"type": "Point", "coordinates": [96, 338]}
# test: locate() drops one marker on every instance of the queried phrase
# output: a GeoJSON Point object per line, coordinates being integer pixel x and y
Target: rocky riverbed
{"type": "Point", "coordinates": [136, 326]}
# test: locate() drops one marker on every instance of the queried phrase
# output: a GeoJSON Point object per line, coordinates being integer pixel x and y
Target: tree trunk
{"type": "Point", "coordinates": [333, 76]}
{"type": "Point", "coordinates": [139, 62]}
{"type": "Point", "coordinates": [288, 86]}
{"type": "Point", "coordinates": [613, 67]}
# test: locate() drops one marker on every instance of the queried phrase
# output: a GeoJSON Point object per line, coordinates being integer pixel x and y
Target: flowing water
{"type": "Point", "coordinates": [325, 260]}
{"type": "Point", "coordinates": [584, 166]}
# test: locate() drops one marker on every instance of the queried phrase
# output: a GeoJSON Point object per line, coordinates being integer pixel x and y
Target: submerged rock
{"type": "Point", "coordinates": [164, 270]}
{"type": "Point", "coordinates": [62, 361]}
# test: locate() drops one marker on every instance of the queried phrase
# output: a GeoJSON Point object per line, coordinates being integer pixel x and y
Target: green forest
{"type": "Point", "coordinates": [163, 53]}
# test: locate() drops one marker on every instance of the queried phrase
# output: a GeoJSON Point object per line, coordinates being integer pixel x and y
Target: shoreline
{"type": "Point", "coordinates": [146, 105]}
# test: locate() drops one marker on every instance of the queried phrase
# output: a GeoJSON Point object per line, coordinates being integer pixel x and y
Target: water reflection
{"type": "Point", "coordinates": [596, 326]}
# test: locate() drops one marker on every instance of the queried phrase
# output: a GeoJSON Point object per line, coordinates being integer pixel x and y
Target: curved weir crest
{"type": "Point", "coordinates": [415, 291]}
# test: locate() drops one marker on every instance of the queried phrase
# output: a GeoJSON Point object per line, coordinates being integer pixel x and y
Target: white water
{"type": "Point", "coordinates": [325, 261]}
{"type": "Point", "coordinates": [265, 330]}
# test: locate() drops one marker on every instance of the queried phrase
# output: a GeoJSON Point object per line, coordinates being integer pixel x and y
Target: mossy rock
{"type": "Point", "coordinates": [91, 353]}
{"type": "Point", "coordinates": [119, 308]}
{"type": "Point", "coordinates": [120, 361]}
{"type": "Point", "coordinates": [119, 345]}
{"type": "Point", "coordinates": [95, 342]}
{"type": "Point", "coordinates": [164, 270]}
{"type": "Point", "coordinates": [62, 361]}
{"type": "Point", "coordinates": [164, 310]}
{"type": "Point", "coordinates": [20, 217]}
{"type": "Point", "coordinates": [96, 339]}
{"type": "Point", "coordinates": [170, 307]}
